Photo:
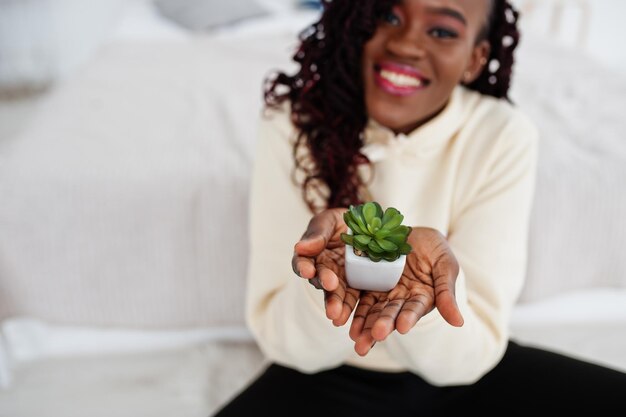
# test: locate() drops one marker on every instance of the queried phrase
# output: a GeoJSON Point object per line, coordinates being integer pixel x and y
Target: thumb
{"type": "Point", "coordinates": [320, 229]}
{"type": "Point", "coordinates": [444, 276]}
{"type": "Point", "coordinates": [446, 304]}
{"type": "Point", "coordinates": [310, 246]}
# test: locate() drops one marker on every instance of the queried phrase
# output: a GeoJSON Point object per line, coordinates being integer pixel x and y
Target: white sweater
{"type": "Point", "coordinates": [469, 173]}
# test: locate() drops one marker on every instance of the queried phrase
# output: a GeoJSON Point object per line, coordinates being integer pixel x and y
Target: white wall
{"type": "Point", "coordinates": [599, 22]}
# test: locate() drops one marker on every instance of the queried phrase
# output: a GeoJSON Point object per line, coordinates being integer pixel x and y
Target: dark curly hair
{"type": "Point", "coordinates": [326, 94]}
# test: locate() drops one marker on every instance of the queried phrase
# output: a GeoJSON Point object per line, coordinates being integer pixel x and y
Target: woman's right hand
{"type": "Point", "coordinates": [319, 257]}
{"type": "Point", "coordinates": [427, 282]}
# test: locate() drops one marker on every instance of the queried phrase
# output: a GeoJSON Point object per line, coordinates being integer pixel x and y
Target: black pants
{"type": "Point", "coordinates": [528, 382]}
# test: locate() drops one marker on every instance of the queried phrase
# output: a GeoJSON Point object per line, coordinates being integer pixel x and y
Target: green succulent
{"type": "Point", "coordinates": [376, 234]}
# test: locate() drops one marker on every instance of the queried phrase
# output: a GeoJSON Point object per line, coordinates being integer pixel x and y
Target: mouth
{"type": "Point", "coordinates": [398, 79]}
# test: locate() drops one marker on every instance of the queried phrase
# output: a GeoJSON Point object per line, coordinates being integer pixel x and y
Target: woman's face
{"type": "Point", "coordinates": [421, 50]}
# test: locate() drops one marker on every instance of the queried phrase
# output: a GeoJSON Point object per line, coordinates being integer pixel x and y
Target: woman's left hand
{"type": "Point", "coordinates": [319, 257]}
{"type": "Point", "coordinates": [427, 282]}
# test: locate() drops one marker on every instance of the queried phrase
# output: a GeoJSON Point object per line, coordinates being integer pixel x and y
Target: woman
{"type": "Point", "coordinates": [404, 103]}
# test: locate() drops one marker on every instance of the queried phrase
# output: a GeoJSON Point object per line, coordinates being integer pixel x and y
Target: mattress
{"type": "Point", "coordinates": [192, 372]}
{"type": "Point", "coordinates": [577, 323]}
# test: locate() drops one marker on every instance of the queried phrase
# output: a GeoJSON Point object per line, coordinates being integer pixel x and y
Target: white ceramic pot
{"type": "Point", "coordinates": [364, 274]}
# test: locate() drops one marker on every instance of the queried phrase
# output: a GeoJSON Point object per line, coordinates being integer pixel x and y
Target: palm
{"type": "Point", "coordinates": [427, 282]}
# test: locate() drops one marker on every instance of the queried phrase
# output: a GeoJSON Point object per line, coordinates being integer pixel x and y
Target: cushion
{"type": "Point", "coordinates": [209, 14]}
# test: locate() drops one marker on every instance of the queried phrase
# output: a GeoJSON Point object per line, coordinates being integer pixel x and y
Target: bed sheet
{"type": "Point", "coordinates": [555, 322]}
{"type": "Point", "coordinates": [191, 373]}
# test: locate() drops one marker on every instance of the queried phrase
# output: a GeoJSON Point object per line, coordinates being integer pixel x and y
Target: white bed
{"type": "Point", "coordinates": [119, 291]}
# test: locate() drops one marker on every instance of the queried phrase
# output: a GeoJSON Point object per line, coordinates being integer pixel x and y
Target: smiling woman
{"type": "Point", "coordinates": [404, 103]}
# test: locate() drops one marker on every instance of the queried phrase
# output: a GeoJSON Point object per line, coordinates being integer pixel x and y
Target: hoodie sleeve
{"type": "Point", "coordinates": [285, 313]}
{"type": "Point", "coordinates": [489, 238]}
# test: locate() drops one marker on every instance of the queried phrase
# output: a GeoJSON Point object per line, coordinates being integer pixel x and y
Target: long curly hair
{"type": "Point", "coordinates": [327, 101]}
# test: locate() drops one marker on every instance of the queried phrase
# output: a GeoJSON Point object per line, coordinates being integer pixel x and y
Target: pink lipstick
{"type": "Point", "coordinates": [399, 79]}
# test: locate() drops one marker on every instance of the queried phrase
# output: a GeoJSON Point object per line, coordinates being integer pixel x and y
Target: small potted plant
{"type": "Point", "coordinates": [377, 246]}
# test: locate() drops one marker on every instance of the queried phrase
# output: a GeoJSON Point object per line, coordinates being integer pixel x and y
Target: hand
{"type": "Point", "coordinates": [319, 257]}
{"type": "Point", "coordinates": [428, 281]}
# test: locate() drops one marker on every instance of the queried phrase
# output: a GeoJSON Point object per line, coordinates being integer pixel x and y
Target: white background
{"type": "Point", "coordinates": [606, 32]}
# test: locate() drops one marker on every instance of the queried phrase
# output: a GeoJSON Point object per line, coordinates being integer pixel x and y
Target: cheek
{"type": "Point", "coordinates": [452, 65]}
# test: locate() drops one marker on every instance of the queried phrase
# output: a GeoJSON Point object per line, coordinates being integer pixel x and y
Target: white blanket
{"type": "Point", "coordinates": [191, 372]}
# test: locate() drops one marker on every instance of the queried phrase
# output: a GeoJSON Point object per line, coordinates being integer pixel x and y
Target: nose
{"type": "Point", "coordinates": [407, 43]}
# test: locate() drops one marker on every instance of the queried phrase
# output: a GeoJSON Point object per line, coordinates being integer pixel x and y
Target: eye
{"type": "Point", "coordinates": [391, 18]}
{"type": "Point", "coordinates": [442, 33]}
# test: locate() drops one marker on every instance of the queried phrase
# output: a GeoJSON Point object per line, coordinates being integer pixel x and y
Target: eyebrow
{"type": "Point", "coordinates": [455, 14]}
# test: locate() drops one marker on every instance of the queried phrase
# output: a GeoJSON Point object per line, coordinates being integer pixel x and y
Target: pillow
{"type": "Point", "coordinates": [310, 4]}
{"type": "Point", "coordinates": [198, 15]}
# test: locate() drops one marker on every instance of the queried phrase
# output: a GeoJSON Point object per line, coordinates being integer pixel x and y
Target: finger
{"type": "Point", "coordinates": [445, 272]}
{"type": "Point", "coordinates": [328, 278]}
{"type": "Point", "coordinates": [386, 322]}
{"type": "Point", "coordinates": [316, 283]}
{"type": "Point", "coordinates": [349, 302]}
{"type": "Point", "coordinates": [449, 310]}
{"type": "Point", "coordinates": [362, 310]}
{"type": "Point", "coordinates": [311, 246]}
{"type": "Point", "coordinates": [412, 311]}
{"type": "Point", "coordinates": [363, 347]}
{"type": "Point", "coordinates": [303, 266]}
{"type": "Point", "coordinates": [334, 304]}
{"type": "Point", "coordinates": [319, 231]}
{"type": "Point", "coordinates": [365, 341]}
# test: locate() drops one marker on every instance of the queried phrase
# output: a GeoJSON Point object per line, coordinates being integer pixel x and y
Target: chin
{"type": "Point", "coordinates": [388, 115]}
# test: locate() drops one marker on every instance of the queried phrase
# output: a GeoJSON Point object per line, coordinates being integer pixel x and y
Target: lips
{"type": "Point", "coordinates": [399, 79]}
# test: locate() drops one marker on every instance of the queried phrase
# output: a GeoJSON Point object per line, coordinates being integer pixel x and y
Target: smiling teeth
{"type": "Point", "coordinates": [400, 80]}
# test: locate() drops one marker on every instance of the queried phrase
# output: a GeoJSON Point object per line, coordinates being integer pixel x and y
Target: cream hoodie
{"type": "Point", "coordinates": [470, 174]}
